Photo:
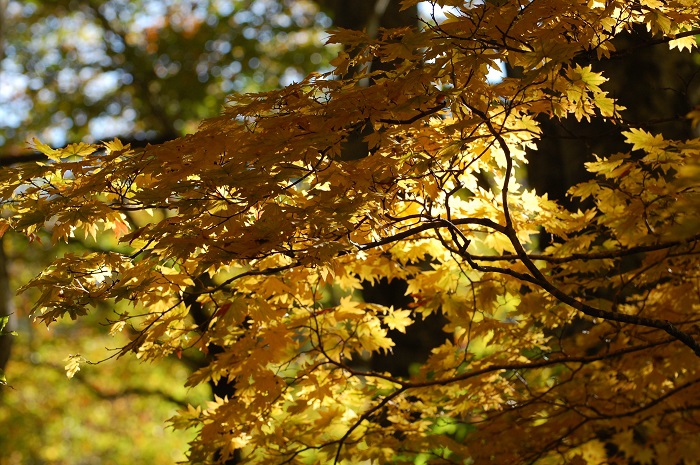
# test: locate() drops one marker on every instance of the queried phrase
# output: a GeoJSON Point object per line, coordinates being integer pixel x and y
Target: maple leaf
{"type": "Point", "coordinates": [398, 319]}
{"type": "Point", "coordinates": [39, 146]}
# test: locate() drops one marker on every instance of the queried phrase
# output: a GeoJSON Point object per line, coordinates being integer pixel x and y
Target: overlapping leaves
{"type": "Point", "coordinates": [268, 222]}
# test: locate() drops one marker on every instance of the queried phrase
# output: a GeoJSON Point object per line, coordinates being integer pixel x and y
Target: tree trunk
{"type": "Point", "coordinates": [415, 345]}
{"type": "Point", "coordinates": [657, 85]}
{"type": "Point", "coordinates": [6, 310]}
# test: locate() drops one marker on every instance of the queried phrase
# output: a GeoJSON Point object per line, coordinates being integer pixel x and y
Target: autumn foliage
{"type": "Point", "coordinates": [256, 234]}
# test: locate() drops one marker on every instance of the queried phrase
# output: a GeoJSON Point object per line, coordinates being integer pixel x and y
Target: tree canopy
{"type": "Point", "coordinates": [571, 331]}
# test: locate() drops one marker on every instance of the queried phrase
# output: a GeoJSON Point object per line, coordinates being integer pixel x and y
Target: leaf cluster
{"type": "Point", "coordinates": [553, 350]}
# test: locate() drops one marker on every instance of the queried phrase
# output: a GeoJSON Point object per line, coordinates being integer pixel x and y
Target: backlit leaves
{"type": "Point", "coordinates": [257, 234]}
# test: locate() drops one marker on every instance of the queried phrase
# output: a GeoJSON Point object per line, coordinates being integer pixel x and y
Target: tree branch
{"type": "Point", "coordinates": [545, 284]}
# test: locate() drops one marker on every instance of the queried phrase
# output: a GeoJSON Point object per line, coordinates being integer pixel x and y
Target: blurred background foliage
{"type": "Point", "coordinates": [144, 71]}
{"type": "Point", "coordinates": [113, 413]}
{"type": "Point", "coordinates": [149, 69]}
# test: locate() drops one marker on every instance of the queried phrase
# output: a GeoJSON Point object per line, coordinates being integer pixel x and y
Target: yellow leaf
{"type": "Point", "coordinates": [587, 76]}
{"type": "Point", "coordinates": [39, 146]}
{"type": "Point", "coordinates": [398, 320]}
{"type": "Point", "coordinates": [642, 140]}
{"type": "Point", "coordinates": [115, 146]}
{"type": "Point", "coordinates": [689, 42]}
{"type": "Point", "coordinates": [584, 189]}
{"type": "Point", "coordinates": [117, 327]}
{"type": "Point", "coordinates": [347, 309]}
{"type": "Point", "coordinates": [606, 105]}
{"type": "Point", "coordinates": [73, 365]}
{"type": "Point", "coordinates": [81, 149]}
